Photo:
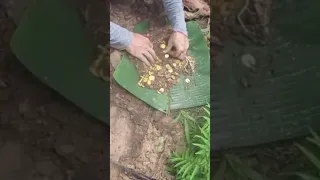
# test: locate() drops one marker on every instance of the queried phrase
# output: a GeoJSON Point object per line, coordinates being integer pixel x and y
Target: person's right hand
{"type": "Point", "coordinates": [142, 48]}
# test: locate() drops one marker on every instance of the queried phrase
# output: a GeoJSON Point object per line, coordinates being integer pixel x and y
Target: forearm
{"type": "Point", "coordinates": [120, 38]}
{"type": "Point", "coordinates": [174, 9]}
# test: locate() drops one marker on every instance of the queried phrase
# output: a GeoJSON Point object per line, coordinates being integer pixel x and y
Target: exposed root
{"type": "Point", "coordinates": [202, 9]}
{"type": "Point", "coordinates": [261, 10]}
{"type": "Point", "coordinates": [243, 9]}
{"type": "Point", "coordinates": [189, 67]}
{"type": "Point", "coordinates": [207, 29]}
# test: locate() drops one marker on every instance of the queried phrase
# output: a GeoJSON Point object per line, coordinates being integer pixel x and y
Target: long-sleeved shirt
{"type": "Point", "coordinates": [120, 37]}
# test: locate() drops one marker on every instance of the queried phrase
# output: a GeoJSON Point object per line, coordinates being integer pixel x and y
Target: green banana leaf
{"type": "Point", "coordinates": [198, 91]}
{"type": "Point", "coordinates": [51, 42]}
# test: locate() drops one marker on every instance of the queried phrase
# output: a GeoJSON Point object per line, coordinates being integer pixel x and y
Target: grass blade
{"type": "Point", "coordinates": [315, 161]}
{"type": "Point", "coordinates": [221, 171]}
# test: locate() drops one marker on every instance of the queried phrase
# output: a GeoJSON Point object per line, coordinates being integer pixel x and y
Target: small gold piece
{"type": "Point", "coordinates": [158, 68]}
{"type": "Point", "coordinates": [149, 82]}
{"type": "Point", "coordinates": [150, 73]}
{"type": "Point", "coordinates": [170, 71]}
{"type": "Point", "coordinates": [140, 84]}
{"type": "Point", "coordinates": [161, 90]}
{"type": "Point", "coordinates": [144, 79]}
{"type": "Point", "coordinates": [162, 46]}
{"type": "Point", "coordinates": [187, 80]}
{"type": "Point", "coordinates": [168, 66]}
{"type": "Point", "coordinates": [152, 78]}
{"type": "Point", "coordinates": [174, 65]}
{"type": "Point", "coordinates": [166, 55]}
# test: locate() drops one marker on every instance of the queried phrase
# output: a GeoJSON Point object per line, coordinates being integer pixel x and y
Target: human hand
{"type": "Point", "coordinates": [178, 45]}
{"type": "Point", "coordinates": [142, 48]}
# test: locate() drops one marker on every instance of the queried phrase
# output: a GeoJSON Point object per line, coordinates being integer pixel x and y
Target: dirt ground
{"type": "Point", "coordinates": [45, 137]}
{"type": "Point", "coordinates": [141, 138]}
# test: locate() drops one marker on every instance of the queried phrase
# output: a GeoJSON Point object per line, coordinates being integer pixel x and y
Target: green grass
{"type": "Point", "coordinates": [194, 162]}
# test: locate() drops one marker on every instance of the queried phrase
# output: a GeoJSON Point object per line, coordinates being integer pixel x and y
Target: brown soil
{"type": "Point", "coordinates": [141, 137]}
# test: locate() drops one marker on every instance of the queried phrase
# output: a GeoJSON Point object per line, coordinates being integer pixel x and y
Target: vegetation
{"type": "Point", "coordinates": [232, 167]}
{"type": "Point", "coordinates": [194, 162]}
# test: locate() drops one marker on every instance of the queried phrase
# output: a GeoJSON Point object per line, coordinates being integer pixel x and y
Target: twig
{"type": "Point", "coordinates": [190, 63]}
{"type": "Point", "coordinates": [243, 9]}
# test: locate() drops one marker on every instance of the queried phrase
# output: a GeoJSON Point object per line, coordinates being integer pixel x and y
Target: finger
{"type": "Point", "coordinates": [178, 51]}
{"type": "Point", "coordinates": [173, 53]}
{"type": "Point", "coordinates": [144, 60]}
{"type": "Point", "coordinates": [148, 56]}
{"type": "Point", "coordinates": [153, 54]}
{"type": "Point", "coordinates": [149, 43]}
{"type": "Point", "coordinates": [182, 56]}
{"type": "Point", "coordinates": [169, 47]}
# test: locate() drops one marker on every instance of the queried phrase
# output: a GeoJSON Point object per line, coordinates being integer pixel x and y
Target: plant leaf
{"type": "Point", "coordinates": [187, 132]}
{"type": "Point", "coordinates": [315, 161]}
{"type": "Point", "coordinates": [195, 172]}
{"type": "Point", "coordinates": [242, 169]}
{"type": "Point", "coordinates": [220, 173]}
{"type": "Point", "coordinates": [141, 27]}
{"type": "Point", "coordinates": [180, 163]}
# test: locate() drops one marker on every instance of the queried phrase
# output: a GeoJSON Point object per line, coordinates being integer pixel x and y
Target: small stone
{"type": "Point", "coordinates": [248, 60]}
{"type": "Point", "coordinates": [45, 168]}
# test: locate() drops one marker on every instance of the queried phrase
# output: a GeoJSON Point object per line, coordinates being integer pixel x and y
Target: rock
{"type": "Point", "coordinates": [46, 168]}
{"type": "Point", "coordinates": [10, 157]}
{"type": "Point", "coordinates": [248, 60]}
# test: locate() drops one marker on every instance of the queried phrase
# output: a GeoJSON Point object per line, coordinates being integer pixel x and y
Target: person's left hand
{"type": "Point", "coordinates": [178, 45]}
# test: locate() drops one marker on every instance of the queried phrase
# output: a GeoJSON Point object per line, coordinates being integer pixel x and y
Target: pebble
{"type": "Point", "coordinates": [248, 60]}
